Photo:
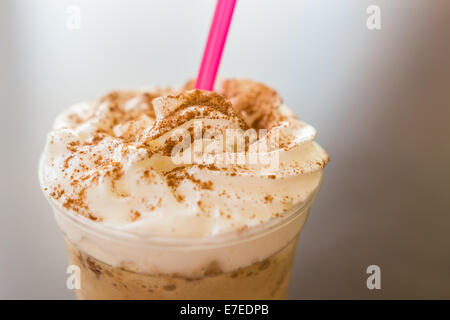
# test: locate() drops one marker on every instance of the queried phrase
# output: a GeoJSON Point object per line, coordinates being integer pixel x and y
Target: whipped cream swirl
{"type": "Point", "coordinates": [112, 160]}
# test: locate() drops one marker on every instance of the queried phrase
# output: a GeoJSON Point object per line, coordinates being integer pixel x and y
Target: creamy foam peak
{"type": "Point", "coordinates": [116, 160]}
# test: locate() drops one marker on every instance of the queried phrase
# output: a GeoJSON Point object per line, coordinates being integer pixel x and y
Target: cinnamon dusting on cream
{"type": "Point", "coordinates": [115, 152]}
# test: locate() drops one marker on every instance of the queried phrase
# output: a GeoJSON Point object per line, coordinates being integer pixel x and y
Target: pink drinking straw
{"type": "Point", "coordinates": [214, 46]}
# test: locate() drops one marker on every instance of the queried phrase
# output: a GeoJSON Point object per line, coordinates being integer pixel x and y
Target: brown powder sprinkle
{"type": "Point", "coordinates": [207, 103]}
{"type": "Point", "coordinates": [268, 199]}
{"type": "Point", "coordinates": [66, 162]}
{"type": "Point", "coordinates": [256, 102]}
{"type": "Point", "coordinates": [135, 215]}
{"type": "Point", "coordinates": [176, 176]}
{"type": "Point", "coordinates": [78, 205]}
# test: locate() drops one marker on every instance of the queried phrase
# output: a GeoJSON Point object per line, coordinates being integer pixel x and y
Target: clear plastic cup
{"type": "Point", "coordinates": [253, 264]}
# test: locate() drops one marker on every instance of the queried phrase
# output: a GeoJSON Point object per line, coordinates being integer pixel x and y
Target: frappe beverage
{"type": "Point", "coordinates": [180, 193]}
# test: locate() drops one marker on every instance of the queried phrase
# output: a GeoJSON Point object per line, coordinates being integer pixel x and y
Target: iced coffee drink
{"type": "Point", "coordinates": [180, 193]}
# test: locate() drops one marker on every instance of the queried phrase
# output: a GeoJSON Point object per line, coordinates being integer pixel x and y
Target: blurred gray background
{"type": "Point", "coordinates": [380, 101]}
